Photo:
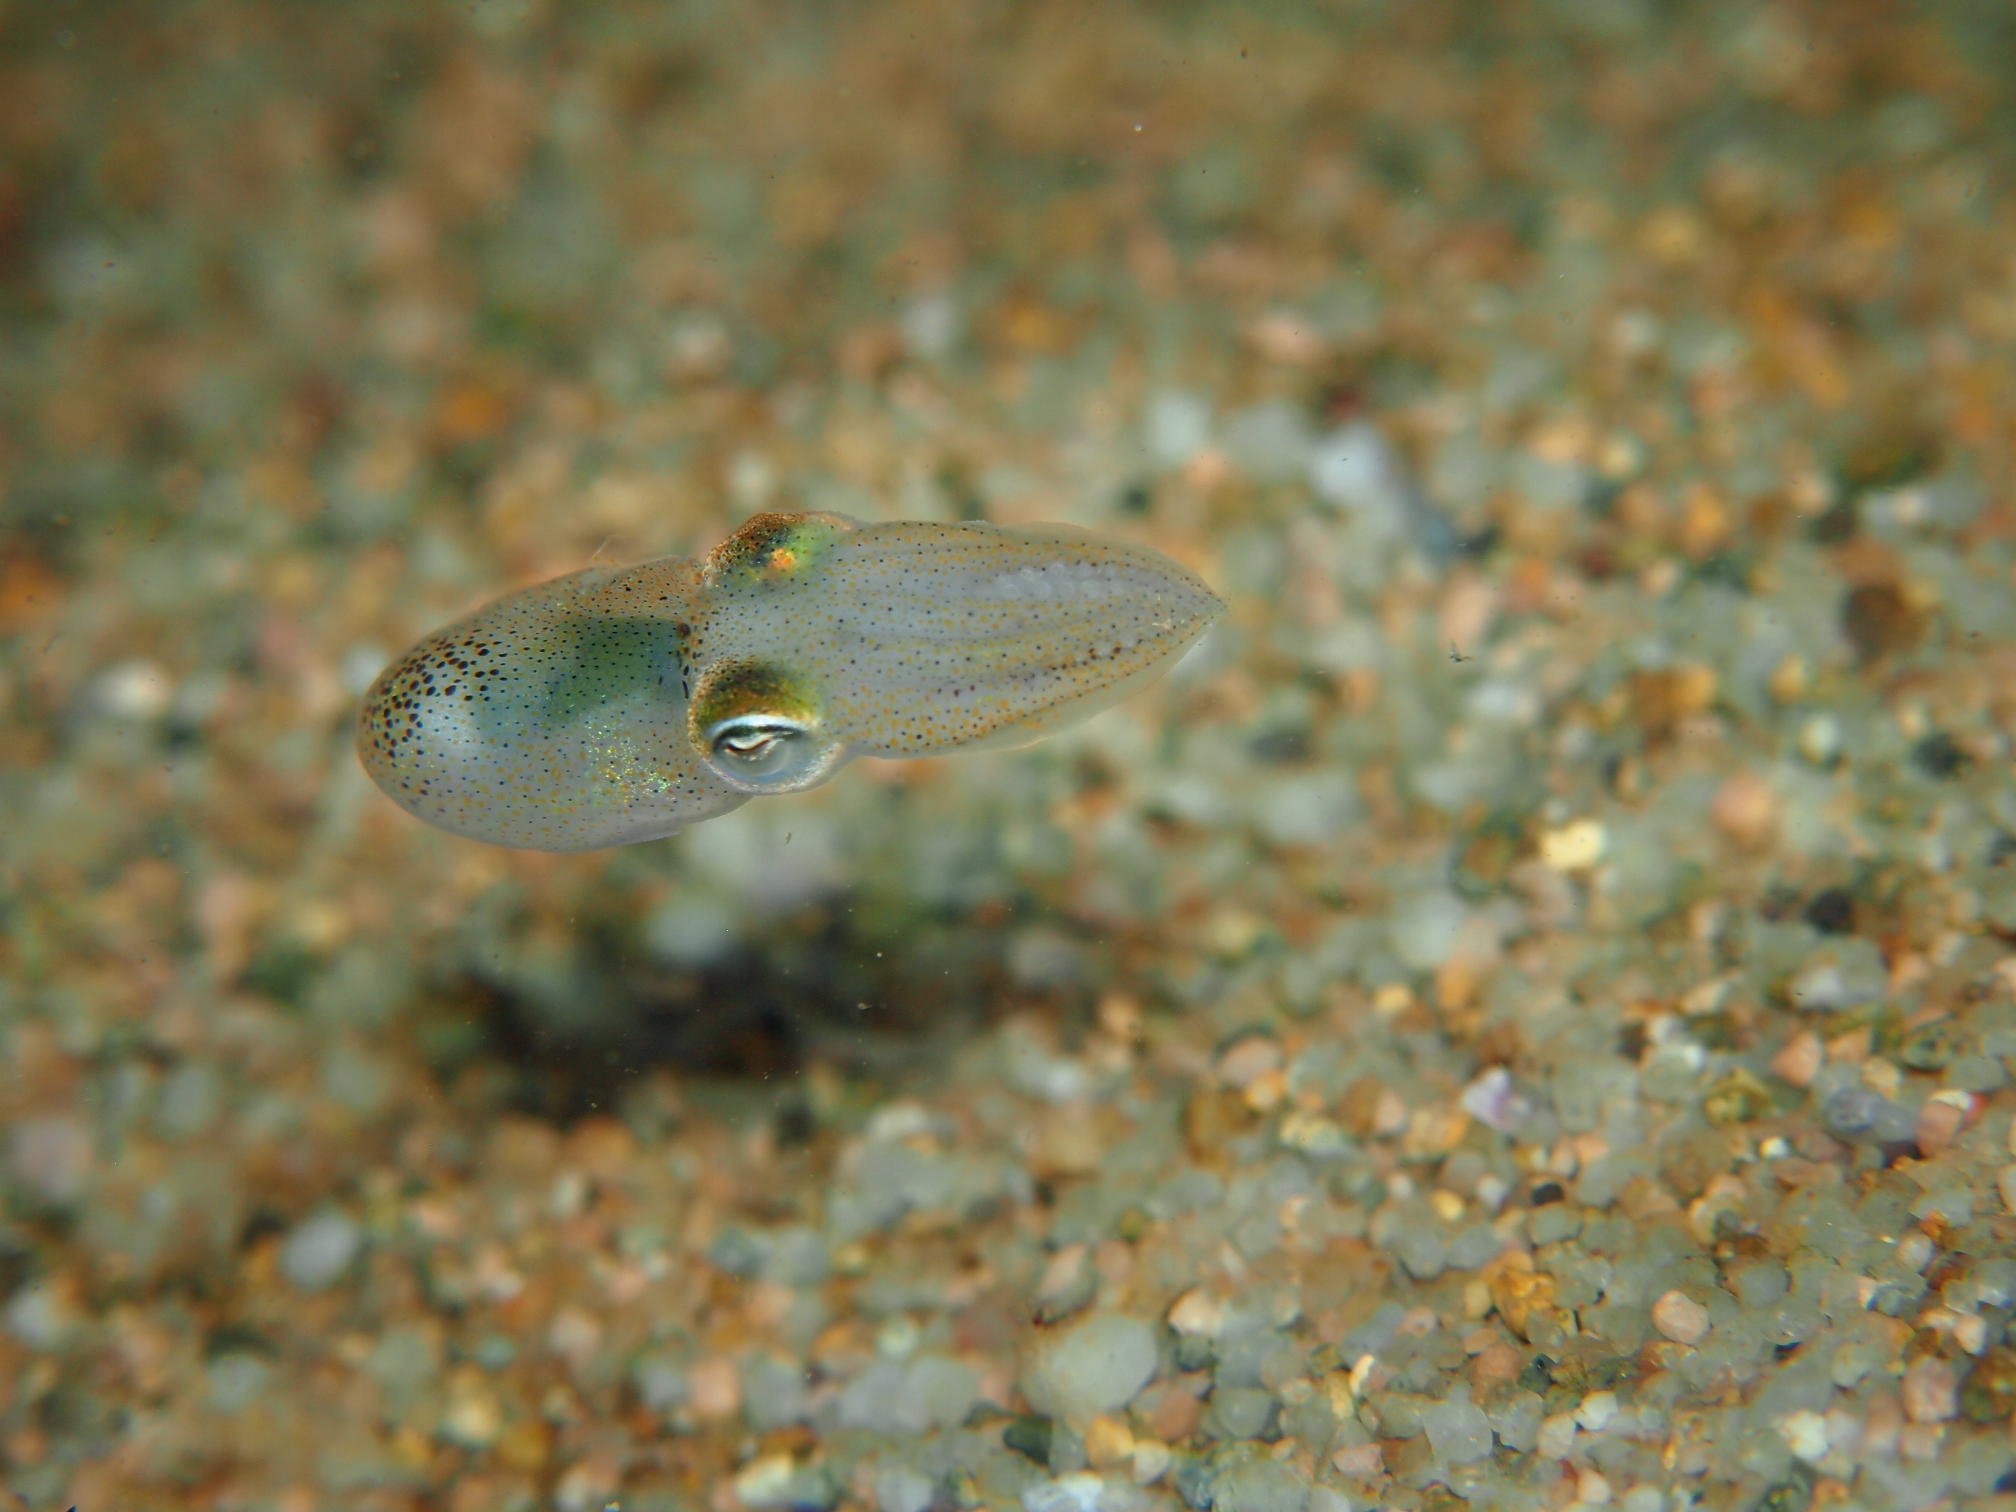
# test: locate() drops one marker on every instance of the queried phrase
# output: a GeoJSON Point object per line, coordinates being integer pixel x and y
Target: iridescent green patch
{"type": "Point", "coordinates": [774, 547]}
{"type": "Point", "coordinates": [735, 689]}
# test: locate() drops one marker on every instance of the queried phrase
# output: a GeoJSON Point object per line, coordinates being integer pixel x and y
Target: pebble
{"type": "Point", "coordinates": [1597, 1410]}
{"type": "Point", "coordinates": [1426, 927]}
{"type": "Point", "coordinates": [1573, 847]}
{"type": "Point", "coordinates": [1240, 1412]}
{"type": "Point", "coordinates": [1745, 808]}
{"type": "Point", "coordinates": [1108, 1441]}
{"type": "Point", "coordinates": [1805, 1434]}
{"type": "Point", "coordinates": [1915, 1250]}
{"type": "Point", "coordinates": [1680, 1318]}
{"type": "Point", "coordinates": [1098, 1364]}
{"type": "Point", "coordinates": [236, 1379]}
{"type": "Point", "coordinates": [932, 324]}
{"type": "Point", "coordinates": [1845, 975]}
{"type": "Point", "coordinates": [714, 1387]}
{"type": "Point", "coordinates": [51, 1157]}
{"type": "Point", "coordinates": [191, 1099]}
{"type": "Point", "coordinates": [1759, 1284]}
{"type": "Point", "coordinates": [1820, 739]}
{"type": "Point", "coordinates": [405, 1361]}
{"type": "Point", "coordinates": [1042, 959]}
{"type": "Point", "coordinates": [1557, 1436]}
{"type": "Point", "coordinates": [773, 1392]}
{"type": "Point", "coordinates": [1458, 1431]}
{"type": "Point", "coordinates": [1252, 1057]}
{"type": "Point", "coordinates": [780, 1482]}
{"type": "Point", "coordinates": [472, 1414]}
{"type": "Point", "coordinates": [1421, 1250]}
{"type": "Point", "coordinates": [911, 1396]}
{"type": "Point", "coordinates": [1306, 809]}
{"type": "Point", "coordinates": [1864, 1114]}
{"type": "Point", "coordinates": [1931, 1390]}
{"type": "Point", "coordinates": [660, 1382]}
{"type": "Point", "coordinates": [1799, 1060]}
{"type": "Point", "coordinates": [1493, 1102]}
{"type": "Point", "coordinates": [799, 1256]}
{"type": "Point", "coordinates": [1079, 1493]}
{"type": "Point", "coordinates": [1353, 468]}
{"type": "Point", "coordinates": [319, 1250]}
{"type": "Point", "coordinates": [1363, 1461]}
{"type": "Point", "coordinates": [1151, 1461]}
{"type": "Point", "coordinates": [1939, 1124]}
{"type": "Point", "coordinates": [1268, 441]}
{"type": "Point", "coordinates": [1198, 1312]}
{"type": "Point", "coordinates": [1883, 620]}
{"type": "Point", "coordinates": [1259, 1485]}
{"type": "Point", "coordinates": [1176, 427]}
{"type": "Point", "coordinates": [135, 690]}
{"type": "Point", "coordinates": [898, 1488]}
{"type": "Point", "coordinates": [693, 930]}
{"type": "Point", "coordinates": [1592, 1489]}
{"type": "Point", "coordinates": [39, 1316]}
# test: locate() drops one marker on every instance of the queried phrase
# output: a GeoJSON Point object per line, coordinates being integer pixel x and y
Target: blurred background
{"type": "Point", "coordinates": [1596, 415]}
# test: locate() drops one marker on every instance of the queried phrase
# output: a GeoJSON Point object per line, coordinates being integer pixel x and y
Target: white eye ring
{"type": "Point", "coordinates": [763, 750]}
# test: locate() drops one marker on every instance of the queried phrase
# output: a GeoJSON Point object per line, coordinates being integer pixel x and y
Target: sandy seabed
{"type": "Point", "coordinates": [1523, 1017]}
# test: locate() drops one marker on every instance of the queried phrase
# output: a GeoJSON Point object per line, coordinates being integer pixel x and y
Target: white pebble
{"type": "Point", "coordinates": [360, 667]}
{"type": "Point", "coordinates": [1312, 808]}
{"type": "Point", "coordinates": [1491, 1100]}
{"type": "Point", "coordinates": [692, 930]}
{"type": "Point", "coordinates": [1557, 1436]}
{"type": "Point", "coordinates": [1805, 1434]}
{"type": "Point", "coordinates": [37, 1316]}
{"type": "Point", "coordinates": [1078, 1493]}
{"type": "Point", "coordinates": [931, 324]}
{"type": "Point", "coordinates": [1197, 1312]}
{"type": "Point", "coordinates": [1592, 1489]}
{"type": "Point", "coordinates": [1820, 739]}
{"type": "Point", "coordinates": [1353, 468]}
{"type": "Point", "coordinates": [1458, 1432]}
{"type": "Point", "coordinates": [1178, 427]}
{"type": "Point", "coordinates": [1152, 1459]}
{"type": "Point", "coordinates": [1425, 928]}
{"type": "Point", "coordinates": [1597, 1410]}
{"type": "Point", "coordinates": [134, 690]}
{"type": "Point", "coordinates": [901, 1489]}
{"type": "Point", "coordinates": [767, 1482]}
{"type": "Point", "coordinates": [1269, 441]}
{"type": "Point", "coordinates": [1097, 1365]}
{"type": "Point", "coordinates": [319, 1250]}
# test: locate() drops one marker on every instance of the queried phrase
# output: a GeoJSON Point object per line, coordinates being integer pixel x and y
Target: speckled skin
{"type": "Point", "coordinates": [606, 707]}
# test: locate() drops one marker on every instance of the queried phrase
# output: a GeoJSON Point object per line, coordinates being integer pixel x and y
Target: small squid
{"type": "Point", "coordinates": [622, 704]}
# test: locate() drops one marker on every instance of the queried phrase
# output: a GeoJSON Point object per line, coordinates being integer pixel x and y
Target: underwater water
{"type": "Point", "coordinates": [1519, 1016]}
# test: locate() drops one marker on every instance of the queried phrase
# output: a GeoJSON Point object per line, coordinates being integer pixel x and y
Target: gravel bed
{"type": "Point", "coordinates": [1523, 1017]}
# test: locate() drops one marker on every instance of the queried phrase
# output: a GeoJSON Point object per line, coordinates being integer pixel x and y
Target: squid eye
{"type": "Point", "coordinates": [758, 726]}
{"type": "Point", "coordinates": [762, 748]}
